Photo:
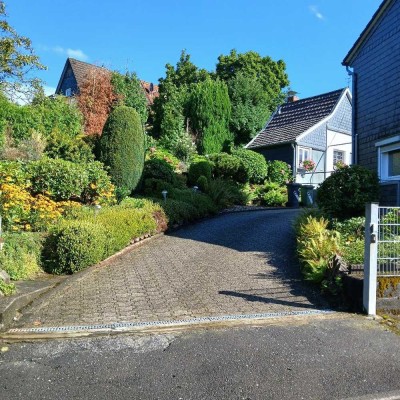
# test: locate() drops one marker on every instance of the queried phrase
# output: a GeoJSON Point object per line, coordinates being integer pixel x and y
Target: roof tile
{"type": "Point", "coordinates": [292, 119]}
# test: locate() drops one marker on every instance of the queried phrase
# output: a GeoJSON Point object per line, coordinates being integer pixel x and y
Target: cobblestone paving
{"type": "Point", "coordinates": [233, 264]}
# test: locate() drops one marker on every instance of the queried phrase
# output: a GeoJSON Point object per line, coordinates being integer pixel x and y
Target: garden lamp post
{"type": "Point", "coordinates": [97, 208]}
{"type": "Point", "coordinates": [164, 194]}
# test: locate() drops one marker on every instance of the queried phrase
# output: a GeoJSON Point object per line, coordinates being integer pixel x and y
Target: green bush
{"type": "Point", "coordinates": [225, 194]}
{"type": "Point", "coordinates": [155, 187]}
{"type": "Point", "coordinates": [202, 183]}
{"type": "Point", "coordinates": [45, 115]}
{"type": "Point", "coordinates": [163, 154]}
{"type": "Point", "coordinates": [316, 246]}
{"type": "Point", "coordinates": [199, 167]}
{"type": "Point", "coordinates": [178, 212]}
{"type": "Point", "coordinates": [229, 167]}
{"type": "Point", "coordinates": [13, 172]}
{"type": "Point", "coordinates": [122, 147]}
{"type": "Point", "coordinates": [279, 172]}
{"type": "Point", "coordinates": [74, 245]}
{"type": "Point", "coordinates": [274, 198]}
{"type": "Point", "coordinates": [20, 257]}
{"type": "Point", "coordinates": [254, 163]}
{"type": "Point", "coordinates": [75, 149]}
{"type": "Point", "coordinates": [99, 189]}
{"type": "Point", "coordinates": [7, 289]}
{"type": "Point", "coordinates": [58, 179]}
{"type": "Point", "coordinates": [345, 193]}
{"type": "Point", "coordinates": [77, 244]}
{"type": "Point", "coordinates": [203, 203]}
{"type": "Point", "coordinates": [156, 168]}
{"type": "Point", "coordinates": [271, 194]}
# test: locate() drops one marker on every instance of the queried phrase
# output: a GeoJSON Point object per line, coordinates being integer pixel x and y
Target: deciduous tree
{"type": "Point", "coordinates": [17, 61]}
{"type": "Point", "coordinates": [96, 99]}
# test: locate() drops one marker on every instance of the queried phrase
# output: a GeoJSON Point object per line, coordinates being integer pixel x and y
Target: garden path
{"type": "Point", "coordinates": [236, 263]}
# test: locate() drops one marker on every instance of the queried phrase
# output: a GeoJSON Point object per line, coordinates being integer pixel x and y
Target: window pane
{"type": "Point", "coordinates": [394, 163]}
{"type": "Point", "coordinates": [338, 156]}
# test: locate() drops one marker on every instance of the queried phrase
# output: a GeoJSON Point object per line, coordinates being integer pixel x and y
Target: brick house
{"type": "Point", "coordinates": [75, 71]}
{"type": "Point", "coordinates": [375, 62]}
{"type": "Point", "coordinates": [317, 128]}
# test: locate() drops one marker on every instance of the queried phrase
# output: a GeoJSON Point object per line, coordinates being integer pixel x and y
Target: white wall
{"type": "Point", "coordinates": [337, 141]}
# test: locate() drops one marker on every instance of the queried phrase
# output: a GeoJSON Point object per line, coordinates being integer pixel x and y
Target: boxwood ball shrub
{"type": "Point", "coordinates": [122, 147]}
{"type": "Point", "coordinates": [345, 193]}
{"type": "Point", "coordinates": [73, 246]}
{"type": "Point", "coordinates": [199, 167]}
{"type": "Point", "coordinates": [156, 168]}
{"type": "Point", "coordinates": [254, 163]}
{"type": "Point", "coordinates": [228, 166]}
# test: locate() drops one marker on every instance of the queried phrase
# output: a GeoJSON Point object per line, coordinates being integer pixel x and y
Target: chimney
{"type": "Point", "coordinates": [291, 96]}
{"type": "Point", "coordinates": [292, 99]}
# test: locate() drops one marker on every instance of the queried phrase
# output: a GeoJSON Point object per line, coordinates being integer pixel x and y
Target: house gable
{"type": "Point", "coordinates": [363, 43]}
{"type": "Point", "coordinates": [294, 119]}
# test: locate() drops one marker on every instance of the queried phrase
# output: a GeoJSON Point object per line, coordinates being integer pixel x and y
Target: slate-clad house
{"type": "Point", "coordinates": [75, 71]}
{"type": "Point", "coordinates": [316, 128]}
{"type": "Point", "coordinates": [375, 62]}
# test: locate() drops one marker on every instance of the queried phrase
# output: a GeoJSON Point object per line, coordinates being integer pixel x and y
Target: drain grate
{"type": "Point", "coordinates": [191, 321]}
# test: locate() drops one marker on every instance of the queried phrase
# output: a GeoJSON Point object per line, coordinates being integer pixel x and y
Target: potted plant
{"type": "Point", "coordinates": [308, 165]}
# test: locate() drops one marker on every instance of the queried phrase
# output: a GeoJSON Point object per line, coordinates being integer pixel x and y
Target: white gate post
{"type": "Point", "coordinates": [370, 258]}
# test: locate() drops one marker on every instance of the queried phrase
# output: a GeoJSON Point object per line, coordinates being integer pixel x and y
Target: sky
{"type": "Point", "coordinates": [311, 36]}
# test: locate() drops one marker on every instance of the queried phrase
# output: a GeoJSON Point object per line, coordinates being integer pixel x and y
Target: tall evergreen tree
{"type": "Point", "coordinates": [209, 112]}
{"type": "Point", "coordinates": [122, 147]}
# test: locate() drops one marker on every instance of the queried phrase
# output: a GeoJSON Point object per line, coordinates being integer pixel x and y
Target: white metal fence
{"type": "Point", "coordinates": [382, 249]}
{"type": "Point", "coordinates": [388, 257]}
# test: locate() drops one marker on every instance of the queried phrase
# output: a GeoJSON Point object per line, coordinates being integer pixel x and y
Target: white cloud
{"type": "Point", "coordinates": [316, 12]}
{"type": "Point", "coordinates": [73, 53]}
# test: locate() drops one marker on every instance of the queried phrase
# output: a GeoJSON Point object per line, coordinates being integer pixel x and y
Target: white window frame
{"type": "Point", "coordinates": [383, 162]}
{"type": "Point", "coordinates": [68, 92]}
{"type": "Point", "coordinates": [343, 156]}
{"type": "Point", "coordinates": [307, 149]}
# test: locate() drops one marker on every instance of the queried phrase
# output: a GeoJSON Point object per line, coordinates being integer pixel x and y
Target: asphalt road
{"type": "Point", "coordinates": [336, 357]}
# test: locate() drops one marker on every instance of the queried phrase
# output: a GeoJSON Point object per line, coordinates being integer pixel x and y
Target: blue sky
{"type": "Point", "coordinates": [311, 36]}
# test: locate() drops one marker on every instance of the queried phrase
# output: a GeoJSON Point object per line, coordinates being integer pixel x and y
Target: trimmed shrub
{"type": "Point", "coordinates": [199, 167]}
{"type": "Point", "coordinates": [20, 257]}
{"type": "Point", "coordinates": [58, 179]}
{"type": "Point", "coordinates": [178, 212]}
{"type": "Point", "coordinates": [73, 246]}
{"type": "Point", "coordinates": [156, 168]}
{"type": "Point", "coordinates": [77, 244]}
{"type": "Point", "coordinates": [254, 163]}
{"type": "Point", "coordinates": [202, 183]}
{"type": "Point", "coordinates": [279, 172]}
{"type": "Point", "coordinates": [227, 166]}
{"type": "Point", "coordinates": [345, 193]}
{"type": "Point", "coordinates": [122, 147]}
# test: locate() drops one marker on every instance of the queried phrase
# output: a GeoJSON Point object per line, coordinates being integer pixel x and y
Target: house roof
{"type": "Point", "coordinates": [294, 118]}
{"type": "Point", "coordinates": [81, 69]}
{"type": "Point", "coordinates": [348, 60]}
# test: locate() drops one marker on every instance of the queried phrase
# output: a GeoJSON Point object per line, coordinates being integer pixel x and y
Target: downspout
{"type": "Point", "coordinates": [294, 162]}
{"type": "Point", "coordinates": [354, 116]}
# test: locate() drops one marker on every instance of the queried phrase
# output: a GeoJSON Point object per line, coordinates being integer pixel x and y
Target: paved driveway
{"type": "Point", "coordinates": [236, 263]}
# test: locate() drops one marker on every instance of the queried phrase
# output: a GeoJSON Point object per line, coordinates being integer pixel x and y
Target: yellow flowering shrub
{"type": "Point", "coordinates": [23, 212]}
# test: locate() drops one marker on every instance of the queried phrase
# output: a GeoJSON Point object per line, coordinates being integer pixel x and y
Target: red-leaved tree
{"type": "Point", "coordinates": [95, 100]}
